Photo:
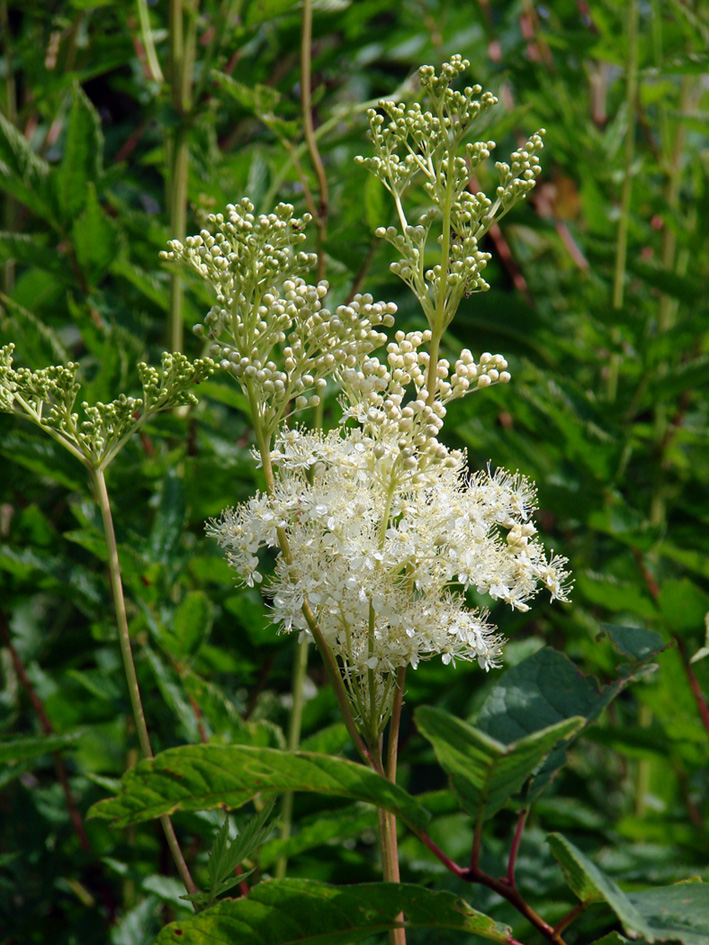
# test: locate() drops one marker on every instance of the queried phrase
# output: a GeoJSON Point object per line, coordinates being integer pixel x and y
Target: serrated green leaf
{"type": "Point", "coordinates": [95, 237]}
{"type": "Point", "coordinates": [678, 913]}
{"type": "Point", "coordinates": [23, 174]}
{"type": "Point", "coordinates": [654, 913]}
{"type": "Point", "coordinates": [190, 625]}
{"type": "Point", "coordinates": [201, 777]}
{"type": "Point", "coordinates": [485, 773]}
{"type": "Point", "coordinates": [81, 162]}
{"type": "Point", "coordinates": [538, 692]}
{"type": "Point", "coordinates": [18, 749]}
{"type": "Point", "coordinates": [305, 912]}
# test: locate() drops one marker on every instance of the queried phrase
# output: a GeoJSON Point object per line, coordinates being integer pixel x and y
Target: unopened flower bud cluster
{"type": "Point", "coordinates": [428, 142]}
{"type": "Point", "coordinates": [392, 404]}
{"type": "Point", "coordinates": [48, 398]}
{"type": "Point", "coordinates": [270, 328]}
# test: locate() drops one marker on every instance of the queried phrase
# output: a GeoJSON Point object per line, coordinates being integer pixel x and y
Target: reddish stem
{"type": "Point", "coordinates": [512, 862]}
{"type": "Point", "coordinates": [501, 886]}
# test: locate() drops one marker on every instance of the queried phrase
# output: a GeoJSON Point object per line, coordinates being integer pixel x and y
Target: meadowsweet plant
{"type": "Point", "coordinates": [379, 528]}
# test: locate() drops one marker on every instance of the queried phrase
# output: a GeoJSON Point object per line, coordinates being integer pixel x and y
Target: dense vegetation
{"type": "Point", "coordinates": [124, 126]}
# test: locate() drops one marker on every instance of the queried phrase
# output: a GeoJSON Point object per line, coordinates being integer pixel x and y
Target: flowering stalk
{"type": "Point", "coordinates": [380, 528]}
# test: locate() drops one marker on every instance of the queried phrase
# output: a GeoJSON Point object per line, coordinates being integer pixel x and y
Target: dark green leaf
{"type": "Point", "coordinates": [676, 913]}
{"type": "Point", "coordinates": [540, 691]}
{"type": "Point", "coordinates": [684, 606]}
{"type": "Point", "coordinates": [82, 160]}
{"type": "Point", "coordinates": [635, 642]}
{"type": "Point", "coordinates": [95, 237]}
{"type": "Point", "coordinates": [304, 912]}
{"type": "Point", "coordinates": [200, 777]}
{"type": "Point", "coordinates": [190, 625]}
{"type": "Point", "coordinates": [485, 773]}
{"type": "Point", "coordinates": [23, 174]}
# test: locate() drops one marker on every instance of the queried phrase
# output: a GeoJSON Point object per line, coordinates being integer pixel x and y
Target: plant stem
{"type": "Point", "coordinates": [300, 666]}
{"type": "Point", "coordinates": [148, 44]}
{"type": "Point", "coordinates": [306, 52]}
{"type": "Point", "coordinates": [501, 886]}
{"type": "Point", "coordinates": [99, 483]}
{"type": "Point", "coordinates": [182, 55]}
{"type": "Point", "coordinates": [516, 840]}
{"type": "Point", "coordinates": [388, 840]}
{"type": "Point", "coordinates": [438, 326]}
{"type": "Point", "coordinates": [621, 246]}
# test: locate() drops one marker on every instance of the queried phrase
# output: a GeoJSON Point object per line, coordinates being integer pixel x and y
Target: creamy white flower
{"type": "Point", "coordinates": [383, 553]}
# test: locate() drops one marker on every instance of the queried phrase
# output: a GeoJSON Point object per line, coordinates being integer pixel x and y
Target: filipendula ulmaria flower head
{"type": "Point", "coordinates": [269, 327]}
{"type": "Point", "coordinates": [387, 529]}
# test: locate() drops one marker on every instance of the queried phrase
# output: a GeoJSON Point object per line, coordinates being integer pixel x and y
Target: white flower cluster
{"type": "Point", "coordinates": [269, 327]}
{"type": "Point", "coordinates": [387, 530]}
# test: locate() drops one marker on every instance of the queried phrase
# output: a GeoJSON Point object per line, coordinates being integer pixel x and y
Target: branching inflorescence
{"type": "Point", "coordinates": [96, 432]}
{"type": "Point", "coordinates": [380, 527]}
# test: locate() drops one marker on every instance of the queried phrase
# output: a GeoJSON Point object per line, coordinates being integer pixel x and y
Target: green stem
{"type": "Point", "coordinates": [182, 56]}
{"type": "Point", "coordinates": [99, 483]}
{"type": "Point", "coordinates": [306, 53]}
{"type": "Point", "coordinates": [621, 246]}
{"type": "Point", "coordinates": [439, 324]}
{"type": "Point", "coordinates": [148, 44]}
{"type": "Point", "coordinates": [300, 666]}
{"type": "Point", "coordinates": [388, 842]}
{"type": "Point", "coordinates": [10, 112]}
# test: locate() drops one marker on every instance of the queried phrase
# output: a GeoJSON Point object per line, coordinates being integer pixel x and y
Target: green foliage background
{"type": "Point", "coordinates": [598, 301]}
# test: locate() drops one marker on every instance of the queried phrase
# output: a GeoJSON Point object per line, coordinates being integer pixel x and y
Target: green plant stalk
{"type": "Point", "coordinates": [148, 44]}
{"type": "Point", "coordinates": [439, 324]}
{"type": "Point", "coordinates": [10, 110]}
{"type": "Point", "coordinates": [182, 56]}
{"type": "Point", "coordinates": [621, 245]}
{"type": "Point", "coordinates": [306, 53]}
{"type": "Point", "coordinates": [99, 483]}
{"type": "Point", "coordinates": [300, 666]}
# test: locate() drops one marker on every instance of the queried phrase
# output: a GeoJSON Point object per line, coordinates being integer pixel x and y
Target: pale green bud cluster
{"type": "Point", "coordinates": [426, 141]}
{"type": "Point", "coordinates": [95, 434]}
{"type": "Point", "coordinates": [392, 404]}
{"type": "Point", "coordinates": [270, 328]}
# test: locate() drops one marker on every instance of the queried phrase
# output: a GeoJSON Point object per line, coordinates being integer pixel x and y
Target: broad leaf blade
{"type": "Point", "coordinates": [200, 777]}
{"type": "Point", "coordinates": [590, 884]}
{"type": "Point", "coordinates": [675, 913]}
{"type": "Point", "coordinates": [485, 773]}
{"type": "Point", "coordinates": [304, 912]}
{"type": "Point", "coordinates": [547, 687]}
